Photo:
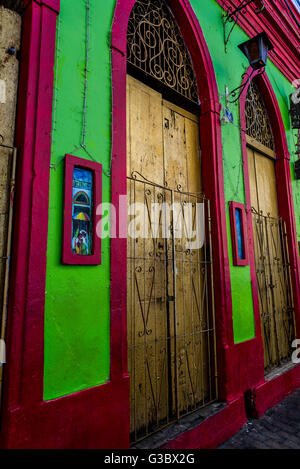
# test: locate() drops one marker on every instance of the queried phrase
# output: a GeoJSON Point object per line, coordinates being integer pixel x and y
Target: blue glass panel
{"type": "Point", "coordinates": [239, 231]}
{"type": "Point", "coordinates": [82, 211]}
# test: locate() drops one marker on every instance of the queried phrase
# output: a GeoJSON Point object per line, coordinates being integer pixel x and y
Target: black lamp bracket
{"type": "Point", "coordinates": [237, 92]}
{"type": "Point", "coordinates": [233, 16]}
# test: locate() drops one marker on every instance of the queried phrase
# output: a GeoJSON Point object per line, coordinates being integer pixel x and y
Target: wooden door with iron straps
{"type": "Point", "coordinates": [271, 261]}
{"type": "Point", "coordinates": [170, 311]}
{"type": "Point", "coordinates": [270, 238]}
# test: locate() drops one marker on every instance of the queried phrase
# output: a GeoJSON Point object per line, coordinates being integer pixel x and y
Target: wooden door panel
{"type": "Point", "coordinates": [181, 138]}
{"type": "Point", "coordinates": [167, 299]}
{"type": "Point", "coordinates": [266, 184]}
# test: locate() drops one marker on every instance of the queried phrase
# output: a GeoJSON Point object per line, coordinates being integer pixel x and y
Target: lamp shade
{"type": "Point", "coordinates": [256, 50]}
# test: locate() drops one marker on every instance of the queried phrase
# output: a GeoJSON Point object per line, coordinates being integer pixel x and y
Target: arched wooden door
{"type": "Point", "coordinates": [171, 330]}
{"type": "Point", "coordinates": [270, 239]}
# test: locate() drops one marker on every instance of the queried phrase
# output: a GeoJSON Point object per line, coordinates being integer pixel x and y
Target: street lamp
{"type": "Point", "coordinates": [256, 50]}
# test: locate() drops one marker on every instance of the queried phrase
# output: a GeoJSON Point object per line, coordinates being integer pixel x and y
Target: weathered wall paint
{"type": "Point", "coordinates": [77, 300]}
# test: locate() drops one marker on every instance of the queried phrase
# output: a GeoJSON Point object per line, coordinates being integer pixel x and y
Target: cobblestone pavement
{"type": "Point", "coordinates": [279, 428]}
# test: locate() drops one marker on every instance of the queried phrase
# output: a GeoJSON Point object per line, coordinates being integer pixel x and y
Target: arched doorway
{"type": "Point", "coordinates": [271, 226]}
{"type": "Point", "coordinates": [170, 310]}
{"type": "Point", "coordinates": [212, 181]}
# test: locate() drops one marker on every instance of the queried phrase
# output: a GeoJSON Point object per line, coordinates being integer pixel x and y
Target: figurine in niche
{"type": "Point", "coordinates": [80, 243]}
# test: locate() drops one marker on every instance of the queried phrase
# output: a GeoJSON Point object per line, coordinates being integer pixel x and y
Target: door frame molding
{"type": "Point", "coordinates": [212, 173]}
{"type": "Point", "coordinates": [284, 190]}
{"type": "Point", "coordinates": [23, 374]}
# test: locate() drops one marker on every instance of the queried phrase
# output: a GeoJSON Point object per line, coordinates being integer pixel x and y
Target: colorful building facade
{"type": "Point", "coordinates": [110, 339]}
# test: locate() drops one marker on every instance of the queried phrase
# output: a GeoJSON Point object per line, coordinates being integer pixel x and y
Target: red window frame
{"type": "Point", "coordinates": [235, 248]}
{"type": "Point", "coordinates": [68, 257]}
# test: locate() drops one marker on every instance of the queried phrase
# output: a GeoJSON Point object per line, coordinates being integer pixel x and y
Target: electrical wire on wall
{"type": "Point", "coordinates": [83, 144]}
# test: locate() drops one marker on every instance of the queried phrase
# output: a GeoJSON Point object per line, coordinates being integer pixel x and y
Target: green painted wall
{"type": "Point", "coordinates": [228, 69]}
{"type": "Point", "coordinates": [77, 299]}
{"type": "Point", "coordinates": [77, 307]}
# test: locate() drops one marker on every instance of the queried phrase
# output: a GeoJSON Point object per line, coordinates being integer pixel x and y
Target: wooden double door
{"type": "Point", "coordinates": [271, 260]}
{"type": "Point", "coordinates": [171, 333]}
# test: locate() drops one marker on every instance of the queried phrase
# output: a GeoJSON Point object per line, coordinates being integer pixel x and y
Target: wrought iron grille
{"type": "Point", "coordinates": [156, 47]}
{"type": "Point", "coordinates": [171, 323]}
{"type": "Point", "coordinates": [274, 287]}
{"type": "Point", "coordinates": [257, 120]}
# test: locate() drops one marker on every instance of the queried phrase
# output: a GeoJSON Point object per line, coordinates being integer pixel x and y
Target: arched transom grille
{"type": "Point", "coordinates": [257, 120]}
{"type": "Point", "coordinates": [156, 47]}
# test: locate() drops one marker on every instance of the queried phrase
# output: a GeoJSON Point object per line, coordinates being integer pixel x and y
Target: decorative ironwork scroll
{"type": "Point", "coordinates": [257, 120]}
{"type": "Point", "coordinates": [156, 47]}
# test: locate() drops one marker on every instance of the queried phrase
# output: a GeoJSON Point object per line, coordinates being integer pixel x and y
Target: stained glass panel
{"type": "Point", "coordinates": [82, 211]}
